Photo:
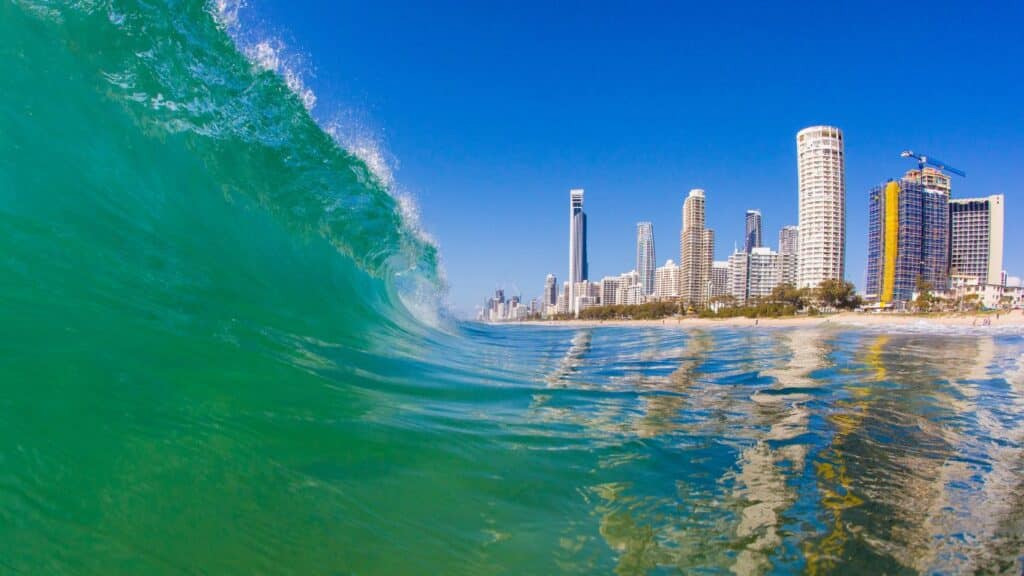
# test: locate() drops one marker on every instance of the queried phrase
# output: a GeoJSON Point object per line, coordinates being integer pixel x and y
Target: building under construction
{"type": "Point", "coordinates": [908, 236]}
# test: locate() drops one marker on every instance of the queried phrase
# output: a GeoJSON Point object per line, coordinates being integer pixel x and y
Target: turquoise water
{"type": "Point", "coordinates": [215, 361]}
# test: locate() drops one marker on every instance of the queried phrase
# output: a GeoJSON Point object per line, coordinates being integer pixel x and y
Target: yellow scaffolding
{"type": "Point", "coordinates": [890, 241]}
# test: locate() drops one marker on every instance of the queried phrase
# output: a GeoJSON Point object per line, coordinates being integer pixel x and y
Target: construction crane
{"type": "Point", "coordinates": [922, 160]}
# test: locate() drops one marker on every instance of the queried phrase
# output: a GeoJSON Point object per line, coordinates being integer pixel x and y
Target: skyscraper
{"type": "Point", "coordinates": [789, 248]}
{"type": "Point", "coordinates": [907, 239]}
{"type": "Point", "coordinates": [577, 243]}
{"type": "Point", "coordinates": [752, 238]}
{"type": "Point", "coordinates": [822, 183]}
{"type": "Point", "coordinates": [696, 249]}
{"type": "Point", "coordinates": [550, 291]}
{"type": "Point", "coordinates": [976, 238]}
{"type": "Point", "coordinates": [645, 262]}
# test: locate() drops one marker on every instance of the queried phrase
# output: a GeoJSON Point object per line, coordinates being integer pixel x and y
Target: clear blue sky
{"type": "Point", "coordinates": [492, 112]}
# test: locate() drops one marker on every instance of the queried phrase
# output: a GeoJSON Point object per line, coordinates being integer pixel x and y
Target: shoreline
{"type": "Point", "coordinates": [1013, 319]}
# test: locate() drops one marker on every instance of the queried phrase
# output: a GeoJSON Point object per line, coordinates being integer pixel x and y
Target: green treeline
{"type": "Point", "coordinates": [785, 300]}
{"type": "Point", "coordinates": [648, 311]}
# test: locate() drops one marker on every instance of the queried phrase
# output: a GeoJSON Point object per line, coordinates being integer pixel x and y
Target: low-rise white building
{"type": "Point", "coordinates": [963, 287]}
{"type": "Point", "coordinates": [753, 275]}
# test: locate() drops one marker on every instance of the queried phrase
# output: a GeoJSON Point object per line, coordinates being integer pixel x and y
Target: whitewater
{"type": "Point", "coordinates": [217, 358]}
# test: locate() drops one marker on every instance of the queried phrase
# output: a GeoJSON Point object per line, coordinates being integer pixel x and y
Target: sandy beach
{"type": "Point", "coordinates": [986, 320]}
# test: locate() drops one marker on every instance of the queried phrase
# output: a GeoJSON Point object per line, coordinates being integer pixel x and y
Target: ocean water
{"type": "Point", "coordinates": [215, 360]}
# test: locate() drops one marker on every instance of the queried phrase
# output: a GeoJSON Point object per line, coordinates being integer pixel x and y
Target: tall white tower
{"type": "Point", "coordinates": [822, 175]}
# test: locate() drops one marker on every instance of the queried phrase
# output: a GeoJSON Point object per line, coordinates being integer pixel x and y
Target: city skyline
{"type": "Point", "coordinates": [917, 232]}
{"type": "Point", "coordinates": [912, 232]}
{"type": "Point", "coordinates": [702, 97]}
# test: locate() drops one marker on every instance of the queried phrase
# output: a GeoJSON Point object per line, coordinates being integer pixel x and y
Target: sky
{"type": "Point", "coordinates": [489, 113]}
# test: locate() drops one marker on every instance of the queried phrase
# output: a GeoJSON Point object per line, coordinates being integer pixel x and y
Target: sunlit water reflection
{"type": "Point", "coordinates": [804, 450]}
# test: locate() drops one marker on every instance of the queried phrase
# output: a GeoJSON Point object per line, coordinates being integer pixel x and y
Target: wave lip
{"type": "Point", "coordinates": [175, 88]}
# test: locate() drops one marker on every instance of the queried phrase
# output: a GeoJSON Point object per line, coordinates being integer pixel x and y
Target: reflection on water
{"type": "Point", "coordinates": [761, 486]}
{"type": "Point", "coordinates": [539, 450]}
{"type": "Point", "coordinates": [814, 451]}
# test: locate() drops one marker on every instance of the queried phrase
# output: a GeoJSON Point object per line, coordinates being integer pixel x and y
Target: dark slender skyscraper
{"type": "Point", "coordinates": [752, 239]}
{"type": "Point", "coordinates": [577, 243]}
{"type": "Point", "coordinates": [645, 260]}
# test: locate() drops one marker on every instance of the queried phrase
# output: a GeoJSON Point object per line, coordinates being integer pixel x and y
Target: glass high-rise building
{"type": "Point", "coordinates": [908, 239]}
{"type": "Point", "coordinates": [752, 237]}
{"type": "Point", "coordinates": [645, 262]}
{"type": "Point", "coordinates": [577, 244]}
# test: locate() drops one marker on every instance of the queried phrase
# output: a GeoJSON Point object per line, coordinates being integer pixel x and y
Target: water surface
{"type": "Point", "coordinates": [215, 360]}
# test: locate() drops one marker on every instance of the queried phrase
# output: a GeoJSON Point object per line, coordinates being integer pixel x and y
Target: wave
{"type": "Point", "coordinates": [159, 109]}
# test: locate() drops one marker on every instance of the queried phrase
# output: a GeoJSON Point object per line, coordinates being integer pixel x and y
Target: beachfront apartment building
{"type": "Point", "coordinates": [822, 205]}
{"type": "Point", "coordinates": [753, 275]}
{"type": "Point", "coordinates": [696, 250]}
{"type": "Point", "coordinates": [908, 239]}
{"type": "Point", "coordinates": [666, 281]}
{"type": "Point", "coordinates": [976, 238]}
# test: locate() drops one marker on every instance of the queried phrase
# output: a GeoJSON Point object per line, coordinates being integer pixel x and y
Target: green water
{"type": "Point", "coordinates": [209, 366]}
